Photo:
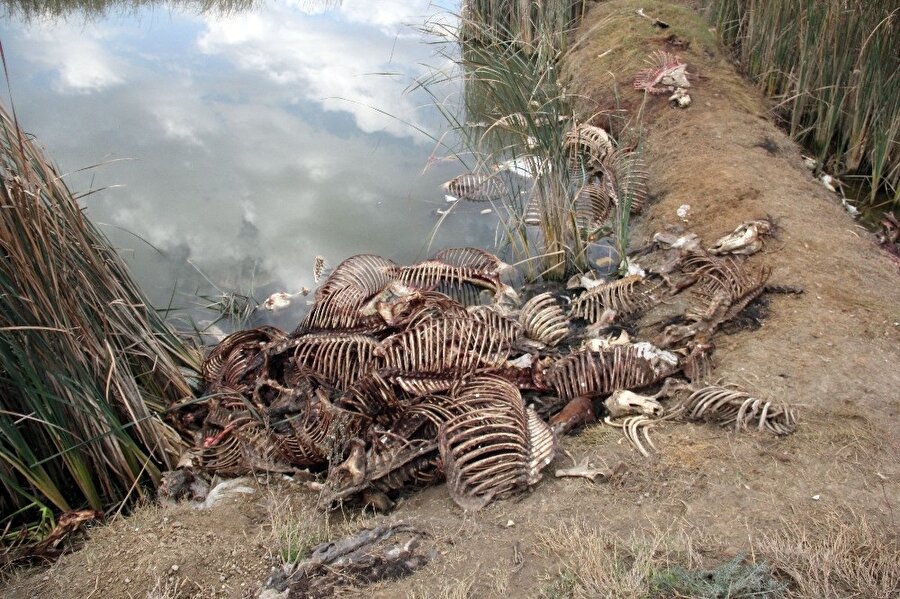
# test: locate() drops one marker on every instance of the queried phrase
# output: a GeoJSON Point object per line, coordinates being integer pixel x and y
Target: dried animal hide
{"type": "Point", "coordinates": [229, 360]}
{"type": "Point", "coordinates": [364, 558]}
{"type": "Point", "coordinates": [543, 320]}
{"type": "Point", "coordinates": [665, 74]}
{"type": "Point", "coordinates": [625, 297]}
{"type": "Point", "coordinates": [478, 187]}
{"type": "Point", "coordinates": [730, 405]}
{"type": "Point", "coordinates": [588, 372]}
{"type": "Point", "coordinates": [577, 412]}
{"type": "Point", "coordinates": [393, 461]}
{"type": "Point", "coordinates": [495, 446]}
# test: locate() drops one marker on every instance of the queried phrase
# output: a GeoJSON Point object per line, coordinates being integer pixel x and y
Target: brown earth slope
{"type": "Point", "coordinates": [709, 494]}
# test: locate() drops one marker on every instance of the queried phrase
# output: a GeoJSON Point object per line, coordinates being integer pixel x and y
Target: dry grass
{"type": "Point", "coordinates": [596, 563]}
{"type": "Point", "coordinates": [837, 555]}
{"type": "Point", "coordinates": [296, 527]}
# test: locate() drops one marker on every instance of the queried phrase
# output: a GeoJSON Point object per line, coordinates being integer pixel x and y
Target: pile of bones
{"type": "Point", "coordinates": [405, 376]}
{"type": "Point", "coordinates": [393, 382]}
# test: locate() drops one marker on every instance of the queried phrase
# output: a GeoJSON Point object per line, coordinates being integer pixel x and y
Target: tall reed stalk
{"type": "Point", "coordinates": [834, 68]}
{"type": "Point", "coordinates": [87, 367]}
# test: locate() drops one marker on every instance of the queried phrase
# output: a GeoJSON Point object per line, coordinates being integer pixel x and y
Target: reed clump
{"type": "Point", "coordinates": [87, 366]}
{"type": "Point", "coordinates": [519, 128]}
{"type": "Point", "coordinates": [834, 68]}
{"type": "Point", "coordinates": [521, 21]}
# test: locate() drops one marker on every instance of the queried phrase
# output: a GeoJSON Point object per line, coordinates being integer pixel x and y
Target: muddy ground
{"type": "Point", "coordinates": [809, 502]}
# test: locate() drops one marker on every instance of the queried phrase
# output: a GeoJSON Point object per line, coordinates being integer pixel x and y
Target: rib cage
{"type": "Point", "coordinates": [228, 360]}
{"type": "Point", "coordinates": [504, 326]}
{"type": "Point", "coordinates": [494, 446]}
{"type": "Point", "coordinates": [433, 273]}
{"type": "Point", "coordinates": [588, 143]}
{"type": "Point", "coordinates": [319, 268]}
{"type": "Point", "coordinates": [732, 406]}
{"type": "Point", "coordinates": [469, 257]}
{"type": "Point", "coordinates": [365, 274]}
{"type": "Point", "coordinates": [587, 372]}
{"type": "Point", "coordinates": [662, 64]}
{"type": "Point", "coordinates": [625, 296]}
{"type": "Point", "coordinates": [421, 384]}
{"type": "Point", "coordinates": [478, 187]}
{"type": "Point", "coordinates": [543, 320]}
{"type": "Point", "coordinates": [593, 205]}
{"type": "Point", "coordinates": [445, 345]}
{"type": "Point", "coordinates": [341, 359]}
{"type": "Point", "coordinates": [625, 179]}
{"type": "Point", "coordinates": [726, 286]}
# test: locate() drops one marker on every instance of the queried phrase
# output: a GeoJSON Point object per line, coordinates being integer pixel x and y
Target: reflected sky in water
{"type": "Point", "coordinates": [250, 141]}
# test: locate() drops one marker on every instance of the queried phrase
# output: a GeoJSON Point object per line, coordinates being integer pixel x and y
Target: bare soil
{"type": "Point", "coordinates": [709, 494]}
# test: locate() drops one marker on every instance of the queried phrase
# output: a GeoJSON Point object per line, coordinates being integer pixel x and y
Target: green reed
{"type": "Point", "coordinates": [833, 67]}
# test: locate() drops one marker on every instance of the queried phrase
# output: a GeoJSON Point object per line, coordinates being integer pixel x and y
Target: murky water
{"type": "Point", "coordinates": [241, 145]}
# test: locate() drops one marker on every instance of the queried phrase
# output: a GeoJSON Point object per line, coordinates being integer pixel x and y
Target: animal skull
{"type": "Point", "coordinates": [746, 239]}
{"type": "Point", "coordinates": [675, 77]}
{"type": "Point", "coordinates": [626, 403]}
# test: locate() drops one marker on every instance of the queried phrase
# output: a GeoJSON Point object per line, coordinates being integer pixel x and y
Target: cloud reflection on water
{"type": "Point", "coordinates": [243, 153]}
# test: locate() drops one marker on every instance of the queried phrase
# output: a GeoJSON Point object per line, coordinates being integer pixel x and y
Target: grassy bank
{"type": "Point", "coordinates": [833, 67]}
{"type": "Point", "coordinates": [86, 365]}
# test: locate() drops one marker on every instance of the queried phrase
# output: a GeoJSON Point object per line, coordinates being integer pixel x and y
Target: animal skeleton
{"type": "Point", "coordinates": [636, 427]}
{"type": "Point", "coordinates": [477, 187]}
{"type": "Point", "coordinates": [747, 239]}
{"type": "Point", "coordinates": [666, 73]}
{"type": "Point", "coordinates": [625, 179]}
{"type": "Point", "coordinates": [543, 320]}
{"type": "Point", "coordinates": [495, 446]}
{"type": "Point", "coordinates": [593, 205]}
{"type": "Point", "coordinates": [731, 405]}
{"type": "Point", "coordinates": [588, 372]}
{"type": "Point", "coordinates": [589, 143]}
{"type": "Point", "coordinates": [624, 296]}
{"type": "Point", "coordinates": [389, 383]}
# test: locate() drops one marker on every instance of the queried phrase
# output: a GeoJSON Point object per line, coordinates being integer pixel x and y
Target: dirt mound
{"type": "Point", "coordinates": [709, 494]}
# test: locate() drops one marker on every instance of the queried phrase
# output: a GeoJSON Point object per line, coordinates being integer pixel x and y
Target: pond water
{"type": "Point", "coordinates": [240, 144]}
